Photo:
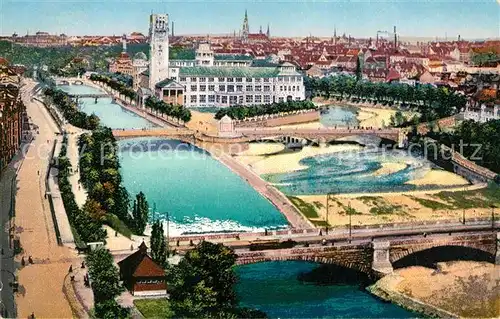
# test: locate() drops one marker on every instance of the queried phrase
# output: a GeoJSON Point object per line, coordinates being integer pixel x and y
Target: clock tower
{"type": "Point", "coordinates": [158, 49]}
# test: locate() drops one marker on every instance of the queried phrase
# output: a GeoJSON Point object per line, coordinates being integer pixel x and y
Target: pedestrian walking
{"type": "Point", "coordinates": [30, 260]}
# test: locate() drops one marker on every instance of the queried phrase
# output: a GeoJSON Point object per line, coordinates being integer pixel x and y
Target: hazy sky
{"type": "Point", "coordinates": [429, 18]}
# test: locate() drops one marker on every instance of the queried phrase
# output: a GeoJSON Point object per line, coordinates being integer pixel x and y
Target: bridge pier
{"type": "Point", "coordinates": [497, 255]}
{"type": "Point", "coordinates": [381, 262]}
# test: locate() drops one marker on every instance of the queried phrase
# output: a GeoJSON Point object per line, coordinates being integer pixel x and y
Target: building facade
{"type": "Point", "coordinates": [208, 79]}
{"type": "Point", "coordinates": [11, 114]}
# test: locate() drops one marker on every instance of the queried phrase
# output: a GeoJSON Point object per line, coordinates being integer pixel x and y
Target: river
{"type": "Point", "coordinates": [273, 287]}
{"type": "Point", "coordinates": [202, 195]}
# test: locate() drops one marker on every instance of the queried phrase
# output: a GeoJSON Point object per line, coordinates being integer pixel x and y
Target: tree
{"type": "Point", "coordinates": [205, 278]}
{"type": "Point", "coordinates": [94, 210]}
{"type": "Point", "coordinates": [105, 284]}
{"type": "Point", "coordinates": [140, 213]}
{"type": "Point", "coordinates": [158, 244]}
{"type": "Point", "coordinates": [359, 70]}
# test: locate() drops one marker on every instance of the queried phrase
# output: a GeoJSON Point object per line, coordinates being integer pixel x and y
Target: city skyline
{"type": "Point", "coordinates": [286, 18]}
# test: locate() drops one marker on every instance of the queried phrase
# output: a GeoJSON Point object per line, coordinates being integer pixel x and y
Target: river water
{"type": "Point", "coordinates": [199, 193]}
{"type": "Point", "coordinates": [111, 115]}
{"type": "Point", "coordinates": [273, 287]}
{"type": "Point", "coordinates": [202, 195]}
{"type": "Point", "coordinates": [352, 172]}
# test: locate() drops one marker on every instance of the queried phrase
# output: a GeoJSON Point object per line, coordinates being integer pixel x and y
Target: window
{"type": "Point", "coordinates": [257, 80]}
{"type": "Point", "coordinates": [267, 99]}
{"type": "Point", "coordinates": [258, 99]}
{"type": "Point", "coordinates": [249, 80]}
{"type": "Point", "coordinates": [217, 98]}
{"type": "Point", "coordinates": [224, 99]}
{"type": "Point", "coordinates": [210, 79]}
{"type": "Point", "coordinates": [258, 88]}
{"type": "Point", "coordinates": [267, 88]}
{"type": "Point", "coordinates": [193, 79]}
{"type": "Point", "coordinates": [280, 99]}
{"type": "Point", "coordinates": [203, 79]}
{"type": "Point", "coordinates": [221, 79]}
{"type": "Point", "coordinates": [230, 88]}
{"type": "Point", "coordinates": [249, 88]}
{"type": "Point", "coordinates": [297, 98]}
{"type": "Point", "coordinates": [193, 98]}
{"type": "Point", "coordinates": [293, 88]}
{"type": "Point", "coordinates": [211, 87]}
{"type": "Point", "coordinates": [239, 88]}
{"type": "Point", "coordinates": [182, 79]}
{"type": "Point", "coordinates": [203, 98]}
{"type": "Point", "coordinates": [239, 80]}
{"type": "Point", "coordinates": [249, 98]}
{"type": "Point", "coordinates": [193, 88]}
{"type": "Point", "coordinates": [230, 80]}
{"type": "Point", "coordinates": [222, 88]}
{"type": "Point", "coordinates": [240, 99]}
{"type": "Point", "coordinates": [266, 80]}
{"type": "Point", "coordinates": [203, 88]}
{"type": "Point", "coordinates": [211, 98]}
{"type": "Point", "coordinates": [281, 88]}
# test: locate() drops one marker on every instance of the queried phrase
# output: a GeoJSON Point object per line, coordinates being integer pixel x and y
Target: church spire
{"type": "Point", "coordinates": [245, 30]}
{"type": "Point", "coordinates": [268, 33]}
{"type": "Point", "coordinates": [260, 29]}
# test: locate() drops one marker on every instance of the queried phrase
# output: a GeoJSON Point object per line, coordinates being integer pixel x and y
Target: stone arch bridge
{"type": "Point", "coordinates": [319, 136]}
{"type": "Point", "coordinates": [378, 256]}
{"type": "Point", "coordinates": [68, 81]}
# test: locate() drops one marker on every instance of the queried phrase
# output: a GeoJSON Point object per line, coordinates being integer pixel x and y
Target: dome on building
{"type": "Point", "coordinates": [140, 56]}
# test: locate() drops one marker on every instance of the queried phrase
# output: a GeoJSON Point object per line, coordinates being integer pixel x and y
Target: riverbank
{"type": "Point", "coordinates": [454, 289]}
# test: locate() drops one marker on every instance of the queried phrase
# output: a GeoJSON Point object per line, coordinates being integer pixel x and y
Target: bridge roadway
{"type": "Point", "coordinates": [251, 134]}
{"type": "Point", "coordinates": [311, 236]}
{"type": "Point", "coordinates": [375, 252]}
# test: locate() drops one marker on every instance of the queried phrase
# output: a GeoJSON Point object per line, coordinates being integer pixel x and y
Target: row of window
{"type": "Point", "coordinates": [233, 88]}
{"type": "Point", "coordinates": [234, 99]}
{"type": "Point", "coordinates": [240, 80]}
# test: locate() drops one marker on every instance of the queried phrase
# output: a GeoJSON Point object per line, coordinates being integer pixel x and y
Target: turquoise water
{"type": "Point", "coordinates": [111, 115]}
{"type": "Point", "coordinates": [200, 193]}
{"type": "Point", "coordinates": [351, 172]}
{"type": "Point", "coordinates": [273, 288]}
{"type": "Point", "coordinates": [338, 115]}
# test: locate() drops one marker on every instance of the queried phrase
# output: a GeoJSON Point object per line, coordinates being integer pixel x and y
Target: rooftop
{"type": "Point", "coordinates": [235, 57]}
{"type": "Point", "coordinates": [243, 72]}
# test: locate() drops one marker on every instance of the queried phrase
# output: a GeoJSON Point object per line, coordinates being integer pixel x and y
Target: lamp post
{"type": "Point", "coordinates": [327, 210]}
{"type": "Point", "coordinates": [463, 212]}
{"type": "Point", "coordinates": [493, 206]}
{"type": "Point", "coordinates": [350, 222]}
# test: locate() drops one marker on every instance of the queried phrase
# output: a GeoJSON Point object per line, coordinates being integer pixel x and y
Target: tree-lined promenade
{"type": "Point", "coordinates": [240, 112]}
{"type": "Point", "coordinates": [119, 86]}
{"type": "Point", "coordinates": [430, 102]}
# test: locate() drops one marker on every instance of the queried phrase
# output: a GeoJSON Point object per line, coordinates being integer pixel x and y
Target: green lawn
{"type": "Point", "coordinates": [480, 198]}
{"type": "Point", "coordinates": [154, 308]}
{"type": "Point", "coordinates": [432, 204]}
{"type": "Point", "coordinates": [118, 225]}
{"type": "Point", "coordinates": [307, 209]}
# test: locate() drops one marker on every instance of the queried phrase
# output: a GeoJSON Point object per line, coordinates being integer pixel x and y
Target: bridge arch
{"type": "Point", "coordinates": [429, 256]}
{"type": "Point", "coordinates": [78, 82]}
{"type": "Point", "coordinates": [339, 260]}
{"type": "Point", "coordinates": [64, 82]}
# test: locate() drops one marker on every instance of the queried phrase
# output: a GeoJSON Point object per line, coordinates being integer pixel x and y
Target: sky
{"type": "Point", "coordinates": [472, 19]}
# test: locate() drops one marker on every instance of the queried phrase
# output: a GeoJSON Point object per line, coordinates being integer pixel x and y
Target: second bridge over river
{"type": "Point", "coordinates": [244, 135]}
